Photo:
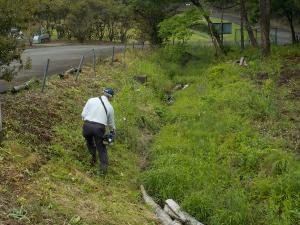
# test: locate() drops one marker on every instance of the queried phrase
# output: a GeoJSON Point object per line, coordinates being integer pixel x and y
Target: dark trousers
{"type": "Point", "coordinates": [93, 134]}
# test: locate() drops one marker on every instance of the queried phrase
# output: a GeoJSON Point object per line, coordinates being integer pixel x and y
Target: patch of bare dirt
{"type": "Point", "coordinates": [29, 118]}
{"type": "Point", "coordinates": [287, 75]}
{"type": "Point", "coordinates": [32, 115]}
{"type": "Point", "coordinates": [35, 114]}
{"type": "Point", "coordinates": [289, 101]}
{"type": "Point", "coordinates": [292, 59]}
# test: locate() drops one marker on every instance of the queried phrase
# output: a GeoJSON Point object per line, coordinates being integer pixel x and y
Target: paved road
{"type": "Point", "coordinates": [65, 57]}
{"type": "Point", "coordinates": [61, 59]}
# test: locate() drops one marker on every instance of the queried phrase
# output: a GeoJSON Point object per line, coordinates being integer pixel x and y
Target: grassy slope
{"type": "Point", "coordinates": [44, 165]}
{"type": "Point", "coordinates": [230, 150]}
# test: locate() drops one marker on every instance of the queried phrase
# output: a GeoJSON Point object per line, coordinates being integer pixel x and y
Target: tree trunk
{"type": "Point", "coordinates": [217, 42]}
{"type": "Point", "coordinates": [155, 39]}
{"type": "Point", "coordinates": [291, 22]}
{"type": "Point", "coordinates": [222, 27]}
{"type": "Point", "coordinates": [242, 26]}
{"type": "Point", "coordinates": [248, 27]}
{"type": "Point", "coordinates": [265, 11]}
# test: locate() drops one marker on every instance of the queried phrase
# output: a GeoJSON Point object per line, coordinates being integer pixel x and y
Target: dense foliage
{"type": "Point", "coordinates": [8, 18]}
{"type": "Point", "coordinates": [227, 152]}
{"type": "Point", "coordinates": [178, 27]}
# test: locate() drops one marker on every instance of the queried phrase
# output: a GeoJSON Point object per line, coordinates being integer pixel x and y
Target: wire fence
{"type": "Point", "coordinates": [88, 58]}
{"type": "Point", "coordinates": [54, 66]}
{"type": "Point", "coordinates": [277, 36]}
{"type": "Point", "coordinates": [72, 62]}
{"type": "Point", "coordinates": [75, 61]}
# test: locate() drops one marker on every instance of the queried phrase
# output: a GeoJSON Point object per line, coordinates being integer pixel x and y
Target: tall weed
{"type": "Point", "coordinates": [211, 156]}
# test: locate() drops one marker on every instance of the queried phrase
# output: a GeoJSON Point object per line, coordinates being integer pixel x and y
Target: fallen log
{"type": "Point", "coordinates": [170, 212]}
{"type": "Point", "coordinates": [21, 87]}
{"type": "Point", "coordinates": [174, 210]}
{"type": "Point", "coordinates": [191, 220]}
{"type": "Point", "coordinates": [71, 71]}
{"type": "Point", "coordinates": [25, 86]}
{"type": "Point", "coordinates": [161, 214]}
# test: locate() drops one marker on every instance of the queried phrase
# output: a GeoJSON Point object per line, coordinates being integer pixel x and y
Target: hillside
{"type": "Point", "coordinates": [45, 173]}
{"type": "Point", "coordinates": [229, 152]}
{"type": "Point", "coordinates": [226, 147]}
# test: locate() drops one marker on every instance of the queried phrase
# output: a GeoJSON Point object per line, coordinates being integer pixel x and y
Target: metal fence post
{"type": "Point", "coordinates": [79, 68]}
{"type": "Point", "coordinates": [256, 34]}
{"type": "Point", "coordinates": [124, 54]}
{"type": "Point", "coordinates": [235, 35]}
{"type": "Point", "coordinates": [276, 38]}
{"type": "Point", "coordinates": [94, 61]}
{"type": "Point", "coordinates": [133, 46]}
{"type": "Point", "coordinates": [45, 75]}
{"type": "Point", "coordinates": [1, 126]}
{"type": "Point", "coordinates": [113, 55]}
{"type": "Point", "coordinates": [2, 133]}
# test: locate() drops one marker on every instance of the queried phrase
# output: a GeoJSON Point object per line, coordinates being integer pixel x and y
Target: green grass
{"type": "Point", "coordinates": [228, 152]}
{"type": "Point", "coordinates": [45, 173]}
{"type": "Point", "coordinates": [226, 148]}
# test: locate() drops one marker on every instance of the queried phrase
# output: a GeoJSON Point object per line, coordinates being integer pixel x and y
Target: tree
{"type": "Point", "coordinates": [178, 26]}
{"type": "Point", "coordinates": [290, 10]}
{"type": "Point", "coordinates": [242, 14]}
{"type": "Point", "coordinates": [265, 13]}
{"type": "Point", "coordinates": [10, 48]}
{"type": "Point", "coordinates": [245, 19]}
{"type": "Point", "coordinates": [222, 5]}
{"type": "Point", "coordinates": [217, 42]}
{"type": "Point", "coordinates": [149, 13]}
{"type": "Point", "coordinates": [80, 20]}
{"type": "Point", "coordinates": [175, 28]}
{"type": "Point", "coordinates": [9, 17]}
{"type": "Point", "coordinates": [125, 20]}
{"type": "Point", "coordinates": [297, 3]}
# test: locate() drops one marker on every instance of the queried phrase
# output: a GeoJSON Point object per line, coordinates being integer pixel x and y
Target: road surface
{"type": "Point", "coordinates": [61, 58]}
{"type": "Point", "coordinates": [64, 57]}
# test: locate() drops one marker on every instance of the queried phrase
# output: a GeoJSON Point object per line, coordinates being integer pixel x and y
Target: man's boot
{"type": "Point", "coordinates": [103, 170]}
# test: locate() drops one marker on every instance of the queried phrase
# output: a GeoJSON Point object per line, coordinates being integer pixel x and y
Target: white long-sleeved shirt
{"type": "Point", "coordinates": [94, 111]}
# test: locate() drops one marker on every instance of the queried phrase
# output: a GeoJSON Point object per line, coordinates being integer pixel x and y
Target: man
{"type": "Point", "coordinates": [97, 114]}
